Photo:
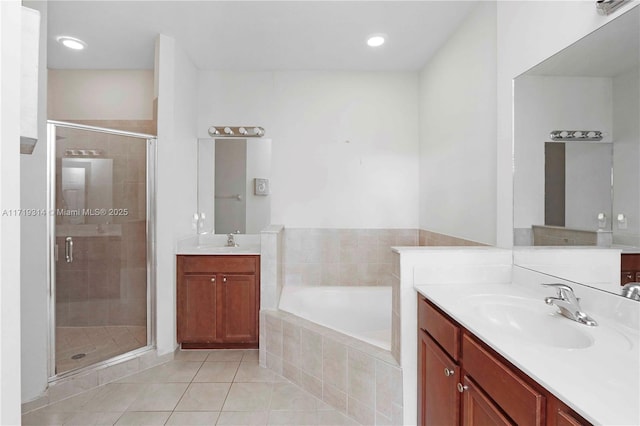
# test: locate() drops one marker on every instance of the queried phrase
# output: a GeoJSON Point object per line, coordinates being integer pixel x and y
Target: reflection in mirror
{"type": "Point", "coordinates": [87, 183]}
{"type": "Point", "coordinates": [573, 193]}
{"type": "Point", "coordinates": [233, 185]}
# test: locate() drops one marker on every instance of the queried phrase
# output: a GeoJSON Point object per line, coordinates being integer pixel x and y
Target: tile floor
{"type": "Point", "coordinates": [218, 387]}
{"type": "Point", "coordinates": [97, 343]}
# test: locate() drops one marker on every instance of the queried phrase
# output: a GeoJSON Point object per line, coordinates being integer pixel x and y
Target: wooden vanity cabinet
{"type": "Point", "coordinates": [461, 381]}
{"type": "Point", "coordinates": [218, 299]}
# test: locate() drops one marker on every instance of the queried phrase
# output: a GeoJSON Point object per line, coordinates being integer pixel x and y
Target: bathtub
{"type": "Point", "coordinates": [360, 312]}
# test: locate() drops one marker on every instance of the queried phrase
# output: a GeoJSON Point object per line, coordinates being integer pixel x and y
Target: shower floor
{"type": "Point", "coordinates": [96, 343]}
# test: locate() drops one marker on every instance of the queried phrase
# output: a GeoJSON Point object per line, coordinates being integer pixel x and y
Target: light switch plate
{"type": "Point", "coordinates": [261, 186]}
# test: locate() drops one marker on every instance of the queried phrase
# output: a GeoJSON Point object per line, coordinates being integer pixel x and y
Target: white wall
{"type": "Point", "coordinates": [344, 144]}
{"type": "Point", "coordinates": [107, 94]}
{"type": "Point", "coordinates": [543, 104]}
{"type": "Point", "coordinates": [33, 240]}
{"type": "Point", "coordinates": [10, 25]}
{"type": "Point", "coordinates": [176, 86]}
{"type": "Point", "coordinates": [458, 132]}
{"type": "Point", "coordinates": [626, 179]}
{"type": "Point", "coordinates": [529, 32]}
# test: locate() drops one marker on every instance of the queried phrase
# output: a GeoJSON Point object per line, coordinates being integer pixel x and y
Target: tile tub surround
{"type": "Point", "coordinates": [561, 236]}
{"type": "Point", "coordinates": [347, 257]}
{"type": "Point", "coordinates": [356, 378]}
{"type": "Point", "coordinates": [429, 238]}
{"type": "Point", "coordinates": [351, 256]}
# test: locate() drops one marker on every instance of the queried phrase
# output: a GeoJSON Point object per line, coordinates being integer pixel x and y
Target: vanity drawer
{"type": "Point", "coordinates": [443, 330]}
{"type": "Point", "coordinates": [211, 264]}
{"type": "Point", "coordinates": [520, 401]}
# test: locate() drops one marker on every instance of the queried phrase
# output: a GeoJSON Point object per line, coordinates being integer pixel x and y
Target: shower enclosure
{"type": "Point", "coordinates": [100, 240]}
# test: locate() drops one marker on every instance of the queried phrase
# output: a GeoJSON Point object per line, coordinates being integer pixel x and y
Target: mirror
{"type": "Point", "coordinates": [578, 192]}
{"type": "Point", "coordinates": [87, 184]}
{"type": "Point", "coordinates": [233, 185]}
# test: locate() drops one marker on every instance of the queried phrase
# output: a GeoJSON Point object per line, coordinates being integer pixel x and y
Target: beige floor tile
{"type": "Point", "coordinates": [114, 397]}
{"type": "Point", "coordinates": [170, 372]}
{"type": "Point", "coordinates": [191, 355]}
{"type": "Point", "coordinates": [217, 372]}
{"type": "Point", "coordinates": [193, 418]}
{"type": "Point", "coordinates": [287, 396]}
{"type": "Point", "coordinates": [93, 419]}
{"type": "Point", "coordinates": [293, 418]}
{"type": "Point", "coordinates": [144, 418]}
{"type": "Point", "coordinates": [248, 397]}
{"type": "Point", "coordinates": [43, 418]}
{"type": "Point", "coordinates": [243, 418]}
{"type": "Point", "coordinates": [159, 397]}
{"type": "Point", "coordinates": [72, 404]}
{"type": "Point", "coordinates": [252, 372]}
{"type": "Point", "coordinates": [226, 355]}
{"type": "Point", "coordinates": [204, 397]}
{"type": "Point", "coordinates": [228, 388]}
{"type": "Point", "coordinates": [334, 418]}
{"type": "Point", "coordinates": [250, 355]}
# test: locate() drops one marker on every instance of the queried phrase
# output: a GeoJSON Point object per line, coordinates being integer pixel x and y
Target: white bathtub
{"type": "Point", "coordinates": [360, 312]}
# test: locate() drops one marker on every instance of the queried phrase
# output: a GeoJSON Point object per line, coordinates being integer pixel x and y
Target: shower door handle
{"type": "Point", "coordinates": [68, 249]}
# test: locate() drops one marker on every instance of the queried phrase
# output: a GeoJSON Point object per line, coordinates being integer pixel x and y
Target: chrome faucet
{"type": "Point", "coordinates": [631, 291]}
{"type": "Point", "coordinates": [231, 242]}
{"type": "Point", "coordinates": [569, 304]}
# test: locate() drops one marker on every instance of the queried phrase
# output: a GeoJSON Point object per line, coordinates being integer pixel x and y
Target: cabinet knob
{"type": "Point", "coordinates": [224, 279]}
{"type": "Point", "coordinates": [462, 388]}
{"type": "Point", "coordinates": [213, 280]}
{"type": "Point", "coordinates": [448, 372]}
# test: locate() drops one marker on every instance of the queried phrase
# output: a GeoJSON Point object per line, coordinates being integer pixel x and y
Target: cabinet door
{"type": "Point", "coordinates": [439, 402]}
{"type": "Point", "coordinates": [238, 308]}
{"type": "Point", "coordinates": [197, 308]}
{"type": "Point", "coordinates": [478, 409]}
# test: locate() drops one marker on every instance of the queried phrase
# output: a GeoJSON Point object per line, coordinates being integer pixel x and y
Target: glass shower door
{"type": "Point", "coordinates": [99, 245]}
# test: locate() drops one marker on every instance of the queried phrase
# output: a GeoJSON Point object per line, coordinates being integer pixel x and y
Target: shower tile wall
{"type": "Point", "coordinates": [106, 283]}
{"type": "Point", "coordinates": [350, 257]}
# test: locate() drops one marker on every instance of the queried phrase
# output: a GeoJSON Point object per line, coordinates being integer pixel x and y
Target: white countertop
{"type": "Point", "coordinates": [600, 382]}
{"type": "Point", "coordinates": [215, 244]}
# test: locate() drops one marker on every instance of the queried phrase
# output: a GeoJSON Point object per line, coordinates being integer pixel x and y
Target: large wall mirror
{"type": "Point", "coordinates": [579, 191]}
{"type": "Point", "coordinates": [233, 185]}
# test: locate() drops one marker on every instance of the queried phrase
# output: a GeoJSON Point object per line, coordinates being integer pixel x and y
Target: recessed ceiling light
{"type": "Point", "coordinates": [376, 40]}
{"type": "Point", "coordinates": [72, 43]}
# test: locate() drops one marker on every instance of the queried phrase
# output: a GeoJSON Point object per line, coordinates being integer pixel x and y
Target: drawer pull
{"type": "Point", "coordinates": [224, 279]}
{"type": "Point", "coordinates": [448, 372]}
{"type": "Point", "coordinates": [462, 388]}
{"type": "Point", "coordinates": [213, 280]}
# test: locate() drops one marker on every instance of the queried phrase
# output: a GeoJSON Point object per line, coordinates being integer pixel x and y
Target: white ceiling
{"type": "Point", "coordinates": [254, 35]}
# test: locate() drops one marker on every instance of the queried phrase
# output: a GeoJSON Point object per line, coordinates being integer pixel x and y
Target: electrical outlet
{"type": "Point", "coordinates": [261, 186]}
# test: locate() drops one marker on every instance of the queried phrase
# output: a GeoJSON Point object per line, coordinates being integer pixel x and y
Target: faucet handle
{"type": "Point", "coordinates": [563, 289]}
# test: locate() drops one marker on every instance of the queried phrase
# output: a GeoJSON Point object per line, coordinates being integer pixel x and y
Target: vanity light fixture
{"type": "Point", "coordinates": [575, 135]}
{"type": "Point", "coordinates": [236, 131]}
{"type": "Point", "coordinates": [607, 7]}
{"type": "Point", "coordinates": [71, 42]}
{"type": "Point", "coordinates": [376, 40]}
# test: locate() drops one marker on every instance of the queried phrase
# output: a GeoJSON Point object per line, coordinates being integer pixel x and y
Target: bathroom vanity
{"type": "Point", "coordinates": [218, 301]}
{"type": "Point", "coordinates": [462, 381]}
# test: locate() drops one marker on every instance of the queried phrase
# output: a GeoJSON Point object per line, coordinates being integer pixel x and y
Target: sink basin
{"type": "Point", "coordinates": [531, 320]}
{"type": "Point", "coordinates": [215, 249]}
